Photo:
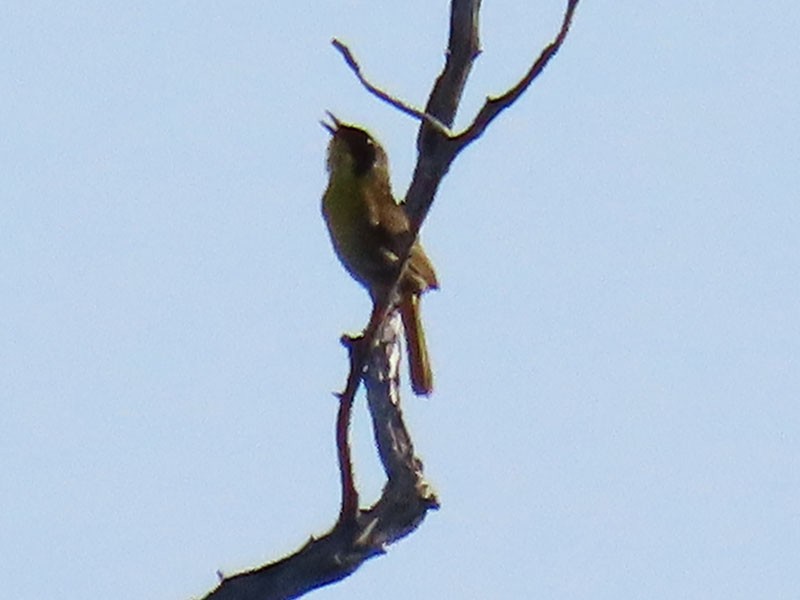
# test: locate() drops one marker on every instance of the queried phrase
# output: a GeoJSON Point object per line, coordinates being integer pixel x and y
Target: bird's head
{"type": "Point", "coordinates": [353, 151]}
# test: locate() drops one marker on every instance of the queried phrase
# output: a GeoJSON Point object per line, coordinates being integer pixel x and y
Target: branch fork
{"type": "Point", "coordinates": [360, 534]}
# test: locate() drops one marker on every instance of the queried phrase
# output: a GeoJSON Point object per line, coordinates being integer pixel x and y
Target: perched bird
{"type": "Point", "coordinates": [370, 231]}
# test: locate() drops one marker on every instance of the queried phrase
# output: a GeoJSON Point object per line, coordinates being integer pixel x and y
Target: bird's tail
{"type": "Point", "coordinates": [418, 362]}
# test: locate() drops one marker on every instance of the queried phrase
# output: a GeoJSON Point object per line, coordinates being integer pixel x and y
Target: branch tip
{"type": "Point", "coordinates": [400, 105]}
{"type": "Point", "coordinates": [495, 105]}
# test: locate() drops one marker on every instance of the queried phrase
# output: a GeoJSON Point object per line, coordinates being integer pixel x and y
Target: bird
{"type": "Point", "coordinates": [370, 232]}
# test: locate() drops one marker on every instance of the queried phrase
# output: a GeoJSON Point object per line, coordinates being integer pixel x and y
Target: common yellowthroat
{"type": "Point", "coordinates": [370, 231]}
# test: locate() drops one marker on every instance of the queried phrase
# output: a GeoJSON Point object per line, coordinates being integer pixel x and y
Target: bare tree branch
{"type": "Point", "coordinates": [405, 500]}
{"type": "Point", "coordinates": [434, 157]}
{"type": "Point", "coordinates": [360, 534]}
{"type": "Point", "coordinates": [494, 106]}
{"type": "Point", "coordinates": [436, 144]}
{"type": "Point", "coordinates": [376, 91]}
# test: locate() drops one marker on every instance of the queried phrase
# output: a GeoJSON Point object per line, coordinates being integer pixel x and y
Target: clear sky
{"type": "Point", "coordinates": [616, 340]}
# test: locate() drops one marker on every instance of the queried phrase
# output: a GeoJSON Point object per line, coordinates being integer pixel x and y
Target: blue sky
{"type": "Point", "coordinates": [616, 340]}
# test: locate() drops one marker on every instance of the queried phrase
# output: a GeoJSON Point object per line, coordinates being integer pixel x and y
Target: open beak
{"type": "Point", "coordinates": [332, 129]}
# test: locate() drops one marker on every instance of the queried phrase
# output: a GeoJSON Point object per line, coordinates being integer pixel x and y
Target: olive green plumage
{"type": "Point", "coordinates": [369, 231]}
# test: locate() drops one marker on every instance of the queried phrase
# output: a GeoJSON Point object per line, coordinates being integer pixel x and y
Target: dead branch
{"type": "Point", "coordinates": [494, 106]}
{"type": "Point", "coordinates": [360, 534]}
{"type": "Point", "coordinates": [385, 96]}
{"type": "Point", "coordinates": [404, 502]}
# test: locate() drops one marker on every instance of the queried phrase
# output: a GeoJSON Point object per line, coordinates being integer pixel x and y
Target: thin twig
{"type": "Point", "coordinates": [386, 97]}
{"type": "Point", "coordinates": [359, 349]}
{"type": "Point", "coordinates": [495, 105]}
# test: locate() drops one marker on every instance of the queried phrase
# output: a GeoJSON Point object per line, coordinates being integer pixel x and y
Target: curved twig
{"type": "Point", "coordinates": [495, 105]}
{"type": "Point", "coordinates": [386, 97]}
